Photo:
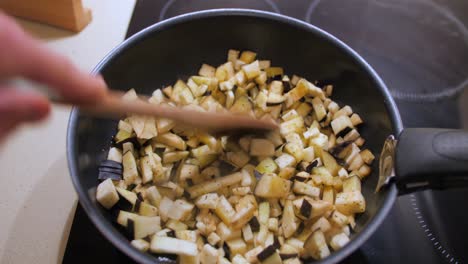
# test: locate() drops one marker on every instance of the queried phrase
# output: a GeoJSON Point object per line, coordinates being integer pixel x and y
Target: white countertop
{"type": "Point", "coordinates": [38, 200]}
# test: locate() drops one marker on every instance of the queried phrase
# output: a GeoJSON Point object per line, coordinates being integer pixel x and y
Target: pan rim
{"type": "Point", "coordinates": [117, 239]}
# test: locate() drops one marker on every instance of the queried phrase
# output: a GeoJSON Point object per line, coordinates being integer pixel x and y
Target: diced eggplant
{"type": "Point", "coordinates": [214, 185]}
{"type": "Point", "coordinates": [339, 219]}
{"type": "Point", "coordinates": [176, 225]}
{"type": "Point", "coordinates": [330, 163]}
{"type": "Point", "coordinates": [115, 155]}
{"type": "Point", "coordinates": [339, 241]}
{"type": "Point", "coordinates": [294, 125]}
{"type": "Point", "coordinates": [356, 119]}
{"type": "Point", "coordinates": [209, 255]}
{"type": "Point", "coordinates": [251, 70]}
{"type": "Point", "coordinates": [224, 210]}
{"type": "Point", "coordinates": [254, 224]}
{"type": "Point", "coordinates": [248, 56]}
{"type": "Point", "coordinates": [180, 210]}
{"type": "Point", "coordinates": [174, 156]}
{"type": "Point", "coordinates": [341, 125]}
{"type": "Point", "coordinates": [247, 233]}
{"type": "Point", "coordinates": [367, 156]}
{"type": "Point", "coordinates": [226, 233]}
{"type": "Point", "coordinates": [207, 201]}
{"type": "Point", "coordinates": [321, 224]}
{"type": "Point", "coordinates": [319, 109]}
{"type": "Point", "coordinates": [130, 172]}
{"type": "Point", "coordinates": [267, 166]}
{"type": "Point", "coordinates": [275, 99]}
{"type": "Point", "coordinates": [261, 79]}
{"type": "Point", "coordinates": [172, 140]}
{"type": "Point", "coordinates": [352, 184]}
{"type": "Point", "coordinates": [144, 226]}
{"type": "Point", "coordinates": [213, 239]}
{"type": "Point", "coordinates": [124, 216]}
{"type": "Point", "coordinates": [126, 197]}
{"type": "Point", "coordinates": [304, 109]}
{"type": "Point", "coordinates": [140, 244]}
{"type": "Point", "coordinates": [328, 194]}
{"type": "Point", "coordinates": [286, 173]}
{"type": "Point", "coordinates": [237, 246]}
{"type": "Point", "coordinates": [272, 186]}
{"type": "Point", "coordinates": [266, 253]}
{"type": "Point", "coordinates": [273, 259]}
{"type": "Point", "coordinates": [296, 150]}
{"type": "Point", "coordinates": [288, 220]}
{"type": "Point", "coordinates": [316, 246]}
{"type": "Point", "coordinates": [364, 171]}
{"type": "Point", "coordinates": [345, 111]}
{"type": "Point", "coordinates": [146, 170]}
{"type": "Point", "coordinates": [306, 189]}
{"type": "Point", "coordinates": [350, 202]}
{"type": "Point", "coordinates": [173, 246]}
{"type": "Point", "coordinates": [106, 194]}
{"type": "Point", "coordinates": [207, 71]}
{"type": "Point", "coordinates": [285, 160]}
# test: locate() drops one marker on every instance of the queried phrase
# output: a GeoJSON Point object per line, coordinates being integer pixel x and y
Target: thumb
{"type": "Point", "coordinates": [18, 107]}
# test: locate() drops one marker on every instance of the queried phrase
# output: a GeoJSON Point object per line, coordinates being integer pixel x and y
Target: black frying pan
{"type": "Point", "coordinates": [175, 48]}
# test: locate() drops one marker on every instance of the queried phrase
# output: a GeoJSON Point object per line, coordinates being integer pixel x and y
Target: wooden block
{"type": "Point", "coordinates": [66, 14]}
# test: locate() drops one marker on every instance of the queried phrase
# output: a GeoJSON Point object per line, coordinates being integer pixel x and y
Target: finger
{"type": "Point", "coordinates": [21, 55]}
{"type": "Point", "coordinates": [19, 107]}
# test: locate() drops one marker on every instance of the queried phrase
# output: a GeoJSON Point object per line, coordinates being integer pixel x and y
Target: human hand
{"type": "Point", "coordinates": [23, 56]}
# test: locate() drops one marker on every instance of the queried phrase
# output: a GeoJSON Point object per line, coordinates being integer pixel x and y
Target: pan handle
{"type": "Point", "coordinates": [431, 158]}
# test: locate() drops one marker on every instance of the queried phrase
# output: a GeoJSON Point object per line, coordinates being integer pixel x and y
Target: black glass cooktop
{"type": "Point", "coordinates": [420, 48]}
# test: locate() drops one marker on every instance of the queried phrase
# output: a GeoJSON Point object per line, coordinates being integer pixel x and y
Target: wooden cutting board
{"type": "Point", "coordinates": [66, 14]}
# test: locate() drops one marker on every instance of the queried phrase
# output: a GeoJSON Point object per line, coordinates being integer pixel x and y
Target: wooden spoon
{"type": "Point", "coordinates": [113, 105]}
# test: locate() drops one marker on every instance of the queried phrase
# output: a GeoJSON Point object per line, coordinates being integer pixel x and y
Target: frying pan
{"type": "Point", "coordinates": [175, 48]}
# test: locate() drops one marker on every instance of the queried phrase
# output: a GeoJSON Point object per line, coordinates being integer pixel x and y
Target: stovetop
{"type": "Point", "coordinates": [420, 49]}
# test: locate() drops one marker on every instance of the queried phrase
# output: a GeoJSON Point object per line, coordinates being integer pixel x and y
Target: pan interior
{"type": "Point", "coordinates": [159, 58]}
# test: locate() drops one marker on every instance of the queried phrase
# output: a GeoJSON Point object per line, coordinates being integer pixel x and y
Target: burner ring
{"type": "Point", "coordinates": [269, 3]}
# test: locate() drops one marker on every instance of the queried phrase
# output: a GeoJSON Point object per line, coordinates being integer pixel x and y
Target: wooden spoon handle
{"type": "Point", "coordinates": [114, 105]}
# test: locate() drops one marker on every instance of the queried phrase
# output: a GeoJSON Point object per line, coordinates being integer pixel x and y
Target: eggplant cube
{"type": "Point", "coordinates": [288, 221]}
{"type": "Point", "coordinates": [339, 241]}
{"type": "Point", "coordinates": [144, 226]}
{"type": "Point", "coordinates": [251, 70]}
{"type": "Point", "coordinates": [180, 210]}
{"type": "Point", "coordinates": [147, 210]}
{"type": "Point", "coordinates": [350, 202]}
{"type": "Point", "coordinates": [115, 154]}
{"type": "Point", "coordinates": [306, 189]}
{"type": "Point", "coordinates": [207, 201]}
{"type": "Point", "coordinates": [352, 184]}
{"type": "Point", "coordinates": [267, 166]}
{"type": "Point", "coordinates": [238, 259]}
{"type": "Point", "coordinates": [173, 246]}
{"type": "Point", "coordinates": [224, 210]}
{"type": "Point", "coordinates": [272, 186]}
{"type": "Point", "coordinates": [146, 170]}
{"type": "Point", "coordinates": [209, 255]}
{"type": "Point", "coordinates": [285, 160]}
{"type": "Point", "coordinates": [237, 246]}
{"type": "Point", "coordinates": [130, 172]}
{"type": "Point", "coordinates": [106, 194]}
{"type": "Point", "coordinates": [140, 244]}
{"type": "Point", "coordinates": [316, 245]}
